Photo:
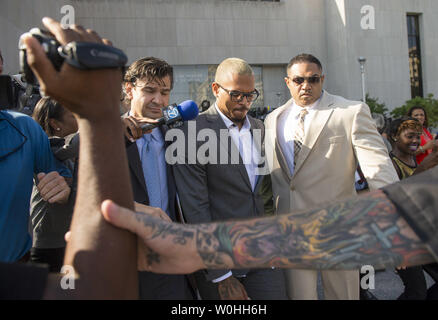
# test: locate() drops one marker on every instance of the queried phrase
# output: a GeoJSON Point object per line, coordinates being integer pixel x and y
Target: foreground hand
{"type": "Point", "coordinates": [53, 188]}
{"type": "Point", "coordinates": [85, 92]}
{"type": "Point", "coordinates": [164, 247]}
{"type": "Point", "coordinates": [132, 127]}
{"type": "Point", "coordinates": [232, 289]}
{"type": "Point", "coordinates": [156, 212]}
{"type": "Point", "coordinates": [430, 161]}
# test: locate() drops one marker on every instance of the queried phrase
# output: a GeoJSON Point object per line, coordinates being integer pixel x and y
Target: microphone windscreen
{"type": "Point", "coordinates": [188, 109]}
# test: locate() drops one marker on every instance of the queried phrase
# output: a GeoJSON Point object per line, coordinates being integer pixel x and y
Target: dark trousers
{"type": "Point", "coordinates": [414, 282]}
{"type": "Point", "coordinates": [164, 287]}
{"type": "Point", "coordinates": [260, 284]}
{"type": "Point", "coordinates": [54, 257]}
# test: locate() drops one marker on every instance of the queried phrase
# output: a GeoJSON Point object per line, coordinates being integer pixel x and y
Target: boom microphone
{"type": "Point", "coordinates": [174, 115]}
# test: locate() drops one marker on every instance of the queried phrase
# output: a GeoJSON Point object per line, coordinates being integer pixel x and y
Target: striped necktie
{"type": "Point", "coordinates": [299, 134]}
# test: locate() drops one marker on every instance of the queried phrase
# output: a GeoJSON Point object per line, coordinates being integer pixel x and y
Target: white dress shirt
{"type": "Point", "coordinates": [286, 127]}
{"type": "Point", "coordinates": [247, 149]}
{"type": "Point", "coordinates": [248, 152]}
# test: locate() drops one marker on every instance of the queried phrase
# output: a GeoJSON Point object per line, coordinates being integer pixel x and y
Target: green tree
{"type": "Point", "coordinates": [430, 104]}
{"type": "Point", "coordinates": [375, 106]}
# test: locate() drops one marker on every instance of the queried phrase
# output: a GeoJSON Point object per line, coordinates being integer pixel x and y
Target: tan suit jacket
{"type": "Point", "coordinates": [341, 134]}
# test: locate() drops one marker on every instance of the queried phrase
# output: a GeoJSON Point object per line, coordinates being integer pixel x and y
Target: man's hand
{"type": "Point", "coordinates": [156, 212]}
{"type": "Point", "coordinates": [132, 127]}
{"type": "Point", "coordinates": [87, 93]}
{"type": "Point", "coordinates": [53, 188]}
{"type": "Point", "coordinates": [232, 289]}
{"type": "Point", "coordinates": [430, 161]}
{"type": "Point", "coordinates": [163, 247]}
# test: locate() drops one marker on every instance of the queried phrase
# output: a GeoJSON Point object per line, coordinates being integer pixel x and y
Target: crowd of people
{"type": "Point", "coordinates": [209, 227]}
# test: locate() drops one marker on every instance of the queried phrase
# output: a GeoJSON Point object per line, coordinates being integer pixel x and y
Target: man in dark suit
{"type": "Point", "coordinates": [147, 84]}
{"type": "Point", "coordinates": [223, 181]}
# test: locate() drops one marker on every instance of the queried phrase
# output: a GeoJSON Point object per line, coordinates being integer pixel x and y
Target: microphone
{"type": "Point", "coordinates": [174, 115]}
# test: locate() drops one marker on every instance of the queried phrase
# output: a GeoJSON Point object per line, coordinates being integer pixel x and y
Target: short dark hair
{"type": "Point", "coordinates": [304, 57]}
{"type": "Point", "coordinates": [151, 68]}
{"type": "Point", "coordinates": [47, 109]}
{"type": "Point", "coordinates": [403, 123]}
{"type": "Point", "coordinates": [411, 110]}
{"type": "Point", "coordinates": [1, 57]}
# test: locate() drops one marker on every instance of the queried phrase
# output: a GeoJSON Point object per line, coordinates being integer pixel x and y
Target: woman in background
{"type": "Point", "coordinates": [426, 144]}
{"type": "Point", "coordinates": [50, 222]}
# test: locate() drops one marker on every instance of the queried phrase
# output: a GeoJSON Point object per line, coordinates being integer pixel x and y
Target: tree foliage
{"type": "Point", "coordinates": [375, 106]}
{"type": "Point", "coordinates": [430, 104]}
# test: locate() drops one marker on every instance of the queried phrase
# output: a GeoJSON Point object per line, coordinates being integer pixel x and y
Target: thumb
{"type": "Point", "coordinates": [120, 217]}
{"type": "Point", "coordinates": [38, 62]}
{"type": "Point", "coordinates": [40, 176]}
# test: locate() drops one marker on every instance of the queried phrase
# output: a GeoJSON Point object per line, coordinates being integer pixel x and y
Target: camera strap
{"type": "Point", "coordinates": [90, 55]}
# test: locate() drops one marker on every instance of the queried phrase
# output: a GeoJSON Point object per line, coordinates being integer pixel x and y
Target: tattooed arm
{"type": "Point", "coordinates": [341, 235]}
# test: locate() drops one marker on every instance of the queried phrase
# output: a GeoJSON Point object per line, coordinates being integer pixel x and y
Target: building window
{"type": "Point", "coordinates": [194, 83]}
{"type": "Point", "coordinates": [415, 55]}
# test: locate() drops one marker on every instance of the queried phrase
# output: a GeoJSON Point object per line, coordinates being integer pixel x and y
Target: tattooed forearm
{"type": "Point", "coordinates": [345, 235]}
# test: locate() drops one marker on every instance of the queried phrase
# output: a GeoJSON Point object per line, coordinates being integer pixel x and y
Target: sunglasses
{"type": "Point", "coordinates": [310, 80]}
{"type": "Point", "coordinates": [237, 96]}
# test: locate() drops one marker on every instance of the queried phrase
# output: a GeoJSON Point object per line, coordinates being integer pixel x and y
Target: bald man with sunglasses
{"type": "Point", "coordinates": [313, 145]}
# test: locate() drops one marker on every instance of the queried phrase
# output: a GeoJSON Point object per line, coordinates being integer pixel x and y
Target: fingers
{"type": "Point", "coordinates": [435, 146]}
{"type": "Point", "coordinates": [134, 125]}
{"type": "Point", "coordinates": [53, 187]}
{"type": "Point", "coordinates": [156, 212]}
{"type": "Point", "coordinates": [67, 236]}
{"type": "Point", "coordinates": [107, 42]}
{"type": "Point", "coordinates": [120, 217]}
{"type": "Point", "coordinates": [39, 63]}
{"type": "Point", "coordinates": [73, 33]}
{"type": "Point", "coordinates": [132, 130]}
{"type": "Point", "coordinates": [60, 195]}
{"type": "Point", "coordinates": [64, 36]}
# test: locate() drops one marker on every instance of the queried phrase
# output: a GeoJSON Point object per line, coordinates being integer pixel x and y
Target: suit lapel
{"type": "Point", "coordinates": [135, 163]}
{"type": "Point", "coordinates": [319, 121]}
{"type": "Point", "coordinates": [217, 124]}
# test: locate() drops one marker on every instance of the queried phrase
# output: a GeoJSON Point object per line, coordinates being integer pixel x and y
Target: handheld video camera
{"type": "Point", "coordinates": [81, 55]}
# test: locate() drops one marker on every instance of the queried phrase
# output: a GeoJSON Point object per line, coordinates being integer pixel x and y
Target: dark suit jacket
{"type": "Point", "coordinates": [214, 192]}
{"type": "Point", "coordinates": [156, 286]}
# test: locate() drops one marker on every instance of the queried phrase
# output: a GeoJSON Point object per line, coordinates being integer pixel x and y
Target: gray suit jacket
{"type": "Point", "coordinates": [215, 191]}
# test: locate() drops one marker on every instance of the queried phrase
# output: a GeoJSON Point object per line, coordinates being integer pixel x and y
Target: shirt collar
{"type": "Point", "coordinates": [229, 124]}
{"type": "Point", "coordinates": [311, 107]}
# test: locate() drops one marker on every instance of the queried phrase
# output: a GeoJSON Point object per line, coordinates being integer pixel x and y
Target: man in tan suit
{"type": "Point", "coordinates": [313, 145]}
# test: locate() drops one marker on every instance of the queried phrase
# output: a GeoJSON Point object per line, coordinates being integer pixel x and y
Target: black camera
{"type": "Point", "coordinates": [18, 95]}
{"type": "Point", "coordinates": [81, 55]}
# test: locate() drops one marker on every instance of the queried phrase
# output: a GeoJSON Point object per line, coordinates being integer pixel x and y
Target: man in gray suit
{"type": "Point", "coordinates": [223, 181]}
